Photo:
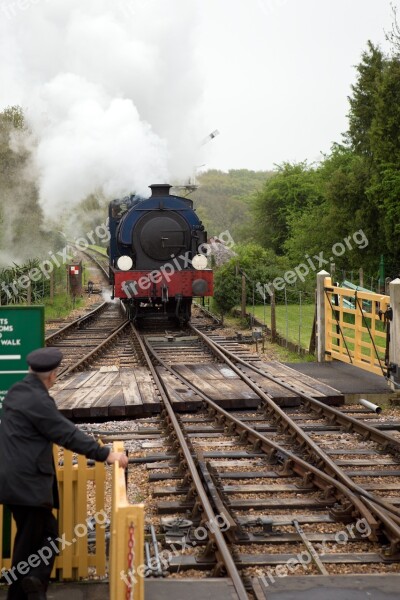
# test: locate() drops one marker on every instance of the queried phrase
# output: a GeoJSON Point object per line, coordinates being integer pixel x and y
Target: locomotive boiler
{"type": "Point", "coordinates": [158, 255]}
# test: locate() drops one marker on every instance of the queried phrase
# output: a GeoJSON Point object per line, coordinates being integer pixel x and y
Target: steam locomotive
{"type": "Point", "coordinates": [158, 255]}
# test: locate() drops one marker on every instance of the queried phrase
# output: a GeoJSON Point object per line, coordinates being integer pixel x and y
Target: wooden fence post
{"type": "Point", "coordinates": [394, 345]}
{"type": "Point", "coordinates": [273, 317]}
{"type": "Point", "coordinates": [243, 311]}
{"type": "Point", "coordinates": [321, 315]}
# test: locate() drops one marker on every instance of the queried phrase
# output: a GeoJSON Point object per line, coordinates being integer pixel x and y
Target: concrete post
{"type": "Point", "coordinates": [321, 315]}
{"type": "Point", "coordinates": [394, 346]}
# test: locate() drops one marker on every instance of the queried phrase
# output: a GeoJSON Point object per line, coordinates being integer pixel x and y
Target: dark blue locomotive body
{"type": "Point", "coordinates": [157, 254]}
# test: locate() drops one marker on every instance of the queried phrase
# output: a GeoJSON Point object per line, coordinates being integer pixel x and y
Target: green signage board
{"type": "Point", "coordinates": [21, 331]}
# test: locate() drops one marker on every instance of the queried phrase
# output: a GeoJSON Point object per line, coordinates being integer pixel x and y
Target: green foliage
{"type": "Point", "coordinates": [363, 100]}
{"type": "Point", "coordinates": [287, 194]}
{"type": "Point", "coordinates": [224, 200]}
{"type": "Point", "coordinates": [227, 287]}
{"type": "Point", "coordinates": [307, 209]}
{"type": "Point", "coordinates": [61, 306]}
{"type": "Point", "coordinates": [22, 231]}
{"type": "Point", "coordinates": [259, 265]}
{"type": "Point", "coordinates": [342, 209]}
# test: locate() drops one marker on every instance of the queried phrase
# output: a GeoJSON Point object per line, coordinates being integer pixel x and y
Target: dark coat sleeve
{"type": "Point", "coordinates": [53, 426]}
{"type": "Point", "coordinates": [29, 425]}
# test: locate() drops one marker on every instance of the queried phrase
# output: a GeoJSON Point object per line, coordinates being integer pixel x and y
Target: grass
{"type": "Point", "coordinates": [293, 322]}
{"type": "Point", "coordinates": [61, 306]}
{"type": "Point", "coordinates": [281, 354]}
{"type": "Point", "coordinates": [100, 249]}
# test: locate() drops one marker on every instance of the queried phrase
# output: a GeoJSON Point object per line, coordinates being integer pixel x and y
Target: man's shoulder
{"type": "Point", "coordinates": [26, 388]}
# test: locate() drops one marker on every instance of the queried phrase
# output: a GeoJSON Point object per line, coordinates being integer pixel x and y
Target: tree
{"type": "Point", "coordinates": [223, 201]}
{"type": "Point", "coordinates": [226, 287]}
{"type": "Point", "coordinates": [290, 191]}
{"type": "Point", "coordinates": [363, 101]}
{"type": "Point", "coordinates": [23, 234]}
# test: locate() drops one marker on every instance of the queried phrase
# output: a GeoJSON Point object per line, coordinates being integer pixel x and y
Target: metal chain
{"type": "Point", "coordinates": [131, 560]}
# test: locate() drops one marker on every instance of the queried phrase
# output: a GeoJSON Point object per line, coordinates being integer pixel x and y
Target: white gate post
{"type": "Point", "coordinates": [321, 316]}
{"type": "Point", "coordinates": [394, 346]}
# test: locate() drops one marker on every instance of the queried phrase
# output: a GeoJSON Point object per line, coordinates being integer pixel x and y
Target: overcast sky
{"type": "Point", "coordinates": [120, 93]}
{"type": "Point", "coordinates": [278, 73]}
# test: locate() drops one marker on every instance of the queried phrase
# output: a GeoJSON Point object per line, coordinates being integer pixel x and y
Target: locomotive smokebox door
{"type": "Point", "coordinates": [75, 279]}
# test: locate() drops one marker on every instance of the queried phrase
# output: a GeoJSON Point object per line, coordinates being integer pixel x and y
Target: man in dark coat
{"type": "Point", "coordinates": [30, 424]}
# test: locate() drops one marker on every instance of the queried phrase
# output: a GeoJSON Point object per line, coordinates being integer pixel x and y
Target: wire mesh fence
{"type": "Point", "coordinates": [287, 317]}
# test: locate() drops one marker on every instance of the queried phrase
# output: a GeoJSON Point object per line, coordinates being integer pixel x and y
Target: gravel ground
{"type": "Point", "coordinates": [140, 490]}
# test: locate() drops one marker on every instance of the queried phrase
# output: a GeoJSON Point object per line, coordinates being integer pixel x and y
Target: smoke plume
{"type": "Point", "coordinates": [110, 92]}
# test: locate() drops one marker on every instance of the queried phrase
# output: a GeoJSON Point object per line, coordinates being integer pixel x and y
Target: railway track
{"type": "Point", "coordinates": [99, 259]}
{"type": "Point", "coordinates": [309, 489]}
{"type": "Point", "coordinates": [282, 485]}
{"type": "Point", "coordinates": [88, 337]}
{"type": "Point", "coordinates": [99, 339]}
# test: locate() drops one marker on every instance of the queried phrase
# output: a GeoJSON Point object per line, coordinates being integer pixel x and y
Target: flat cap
{"type": "Point", "coordinates": [44, 359]}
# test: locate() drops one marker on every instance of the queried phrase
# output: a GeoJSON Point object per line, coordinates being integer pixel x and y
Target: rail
{"type": "Point", "coordinates": [77, 323]}
{"type": "Point", "coordinates": [89, 252]}
{"type": "Point", "coordinates": [127, 565]}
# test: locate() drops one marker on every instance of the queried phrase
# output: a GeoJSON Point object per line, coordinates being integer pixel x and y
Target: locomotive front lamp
{"type": "Point", "coordinates": [199, 262]}
{"type": "Point", "coordinates": [124, 263]}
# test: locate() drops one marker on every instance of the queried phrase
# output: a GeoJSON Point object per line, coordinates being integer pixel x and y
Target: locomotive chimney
{"type": "Point", "coordinates": [160, 189]}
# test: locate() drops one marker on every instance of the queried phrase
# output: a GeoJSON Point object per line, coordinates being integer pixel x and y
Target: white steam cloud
{"type": "Point", "coordinates": [110, 90]}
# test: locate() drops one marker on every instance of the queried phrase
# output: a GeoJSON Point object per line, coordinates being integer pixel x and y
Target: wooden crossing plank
{"type": "Point", "coordinates": [203, 385]}
{"type": "Point", "coordinates": [231, 393]}
{"type": "Point", "coordinates": [182, 397]}
{"type": "Point", "coordinates": [226, 372]}
{"type": "Point", "coordinates": [100, 379]}
{"type": "Point", "coordinates": [289, 374]}
{"type": "Point", "coordinates": [74, 381]}
{"type": "Point", "coordinates": [208, 371]}
{"type": "Point", "coordinates": [82, 410]}
{"type": "Point", "coordinates": [76, 397]}
{"type": "Point", "coordinates": [132, 396]}
{"type": "Point", "coordinates": [146, 387]}
{"type": "Point", "coordinates": [271, 388]}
